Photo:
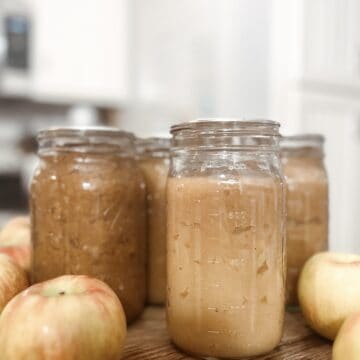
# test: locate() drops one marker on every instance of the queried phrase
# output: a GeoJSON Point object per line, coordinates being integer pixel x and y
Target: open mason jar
{"type": "Point", "coordinates": [225, 238]}
{"type": "Point", "coordinates": [306, 204]}
{"type": "Point", "coordinates": [153, 159]}
{"type": "Point", "coordinates": [88, 211]}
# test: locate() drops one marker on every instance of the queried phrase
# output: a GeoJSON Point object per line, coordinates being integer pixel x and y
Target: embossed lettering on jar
{"type": "Point", "coordinates": [88, 211]}
{"type": "Point", "coordinates": [306, 204]}
{"type": "Point", "coordinates": [225, 238]}
{"type": "Point", "coordinates": [153, 159]}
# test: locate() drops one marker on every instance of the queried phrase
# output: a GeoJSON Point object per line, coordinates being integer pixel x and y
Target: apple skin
{"type": "Point", "coordinates": [329, 291]}
{"type": "Point", "coordinates": [16, 231]}
{"type": "Point", "coordinates": [67, 318]}
{"type": "Point", "coordinates": [15, 241]}
{"type": "Point", "coordinates": [13, 280]}
{"type": "Point", "coordinates": [347, 344]}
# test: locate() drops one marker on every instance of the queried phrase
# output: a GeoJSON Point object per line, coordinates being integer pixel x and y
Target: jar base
{"type": "Point", "coordinates": [206, 357]}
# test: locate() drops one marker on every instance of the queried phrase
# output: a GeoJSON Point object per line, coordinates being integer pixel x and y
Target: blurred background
{"type": "Point", "coordinates": [145, 64]}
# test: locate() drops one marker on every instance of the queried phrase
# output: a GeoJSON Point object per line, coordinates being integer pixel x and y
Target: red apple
{"type": "Point", "coordinates": [16, 243]}
{"type": "Point", "coordinates": [12, 280]}
{"type": "Point", "coordinates": [67, 318]}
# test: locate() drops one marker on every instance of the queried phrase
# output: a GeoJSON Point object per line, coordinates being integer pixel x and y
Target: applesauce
{"type": "Point", "coordinates": [153, 159]}
{"type": "Point", "coordinates": [88, 211]}
{"type": "Point", "coordinates": [225, 238]}
{"type": "Point", "coordinates": [306, 204]}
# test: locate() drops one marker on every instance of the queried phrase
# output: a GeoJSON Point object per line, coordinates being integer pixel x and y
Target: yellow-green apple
{"type": "Point", "coordinates": [12, 280]}
{"type": "Point", "coordinates": [67, 318]}
{"type": "Point", "coordinates": [347, 344]}
{"type": "Point", "coordinates": [15, 241]}
{"type": "Point", "coordinates": [329, 291]}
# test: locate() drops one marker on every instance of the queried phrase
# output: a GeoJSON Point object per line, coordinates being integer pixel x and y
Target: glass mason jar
{"type": "Point", "coordinates": [225, 238]}
{"type": "Point", "coordinates": [306, 203]}
{"type": "Point", "coordinates": [153, 158]}
{"type": "Point", "coordinates": [88, 211]}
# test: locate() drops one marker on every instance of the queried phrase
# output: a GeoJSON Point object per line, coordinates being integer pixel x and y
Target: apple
{"type": "Point", "coordinates": [12, 280]}
{"type": "Point", "coordinates": [15, 241]}
{"type": "Point", "coordinates": [329, 291]}
{"type": "Point", "coordinates": [347, 344]}
{"type": "Point", "coordinates": [69, 317]}
{"type": "Point", "coordinates": [17, 230]}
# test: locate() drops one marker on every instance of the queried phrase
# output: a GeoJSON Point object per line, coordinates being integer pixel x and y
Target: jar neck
{"type": "Point", "coordinates": [302, 146]}
{"type": "Point", "coordinates": [220, 135]}
{"type": "Point", "coordinates": [309, 153]}
{"type": "Point", "coordinates": [152, 148]}
{"type": "Point", "coordinates": [86, 141]}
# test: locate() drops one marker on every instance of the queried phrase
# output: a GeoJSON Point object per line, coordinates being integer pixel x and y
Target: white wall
{"type": "Point", "coordinates": [207, 57]}
{"type": "Point", "coordinates": [286, 64]}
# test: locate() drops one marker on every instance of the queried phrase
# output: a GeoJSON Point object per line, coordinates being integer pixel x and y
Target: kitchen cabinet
{"type": "Point", "coordinates": [316, 88]}
{"type": "Point", "coordinates": [339, 121]}
{"type": "Point", "coordinates": [79, 51]}
{"type": "Point", "coordinates": [332, 41]}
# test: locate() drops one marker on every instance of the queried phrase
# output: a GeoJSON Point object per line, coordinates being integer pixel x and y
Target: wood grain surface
{"type": "Point", "coordinates": [148, 340]}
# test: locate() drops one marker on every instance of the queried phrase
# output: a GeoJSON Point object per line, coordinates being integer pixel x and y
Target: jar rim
{"type": "Point", "coordinates": [162, 142]}
{"type": "Point", "coordinates": [153, 146]}
{"type": "Point", "coordinates": [270, 127]}
{"type": "Point", "coordinates": [84, 131]}
{"type": "Point", "coordinates": [302, 145]}
{"type": "Point", "coordinates": [85, 139]}
{"type": "Point", "coordinates": [152, 140]}
{"type": "Point", "coordinates": [319, 138]}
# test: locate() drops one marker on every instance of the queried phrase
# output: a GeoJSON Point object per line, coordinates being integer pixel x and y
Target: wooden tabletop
{"type": "Point", "coordinates": [148, 340]}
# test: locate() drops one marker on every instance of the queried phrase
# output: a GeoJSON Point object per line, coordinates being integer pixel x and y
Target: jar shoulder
{"type": "Point", "coordinates": [227, 165]}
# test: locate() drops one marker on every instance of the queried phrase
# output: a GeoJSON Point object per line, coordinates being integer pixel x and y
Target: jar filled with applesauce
{"type": "Point", "coordinates": [88, 211]}
{"type": "Point", "coordinates": [225, 238]}
{"type": "Point", "coordinates": [306, 204]}
{"type": "Point", "coordinates": [153, 158]}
